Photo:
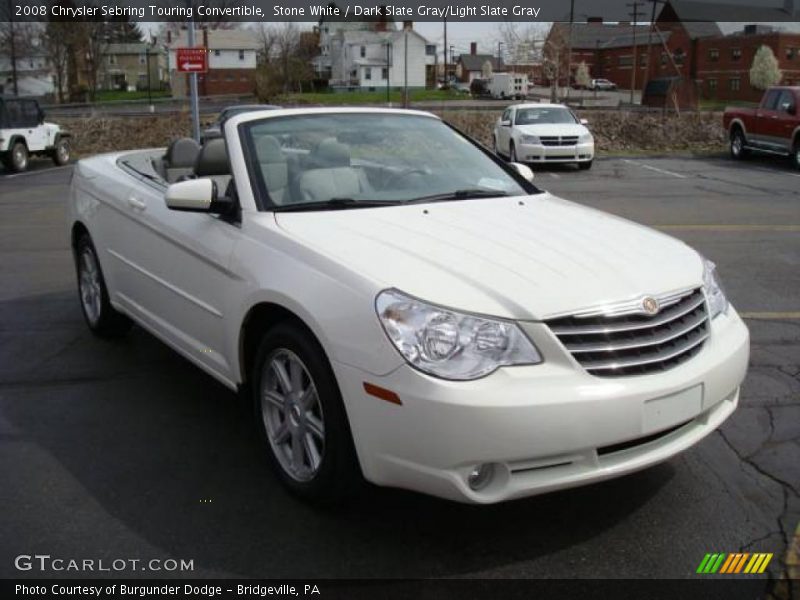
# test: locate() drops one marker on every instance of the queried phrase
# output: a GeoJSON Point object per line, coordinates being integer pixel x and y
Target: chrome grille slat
{"type": "Point", "coordinates": [666, 337]}
{"type": "Point", "coordinates": [622, 344]}
{"type": "Point", "coordinates": [555, 140]}
{"type": "Point", "coordinates": [609, 326]}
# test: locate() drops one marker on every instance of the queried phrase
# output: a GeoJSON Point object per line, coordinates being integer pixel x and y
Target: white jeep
{"type": "Point", "coordinates": [23, 133]}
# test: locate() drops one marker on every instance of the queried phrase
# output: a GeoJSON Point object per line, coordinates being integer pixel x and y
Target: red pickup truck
{"type": "Point", "coordinates": [773, 127]}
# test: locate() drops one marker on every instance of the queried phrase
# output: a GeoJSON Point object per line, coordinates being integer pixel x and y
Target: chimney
{"type": "Point", "coordinates": [473, 48]}
{"type": "Point", "coordinates": [408, 25]}
{"type": "Point", "coordinates": [380, 24]}
{"type": "Point", "coordinates": [595, 20]}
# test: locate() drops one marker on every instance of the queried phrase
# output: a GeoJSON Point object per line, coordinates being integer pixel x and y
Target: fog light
{"type": "Point", "coordinates": [480, 476]}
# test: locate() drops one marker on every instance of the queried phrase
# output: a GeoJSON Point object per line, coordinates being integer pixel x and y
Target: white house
{"type": "Point", "coordinates": [34, 75]}
{"type": "Point", "coordinates": [374, 55]}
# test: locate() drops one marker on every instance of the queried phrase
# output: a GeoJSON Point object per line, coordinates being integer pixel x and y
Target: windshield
{"type": "Point", "coordinates": [544, 116]}
{"type": "Point", "coordinates": [347, 159]}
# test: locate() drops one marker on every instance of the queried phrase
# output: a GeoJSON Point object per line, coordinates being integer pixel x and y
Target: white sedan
{"type": "Point", "coordinates": [402, 306]}
{"type": "Point", "coordinates": [543, 133]}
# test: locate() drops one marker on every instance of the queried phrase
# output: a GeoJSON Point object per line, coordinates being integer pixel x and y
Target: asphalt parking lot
{"type": "Point", "coordinates": [125, 450]}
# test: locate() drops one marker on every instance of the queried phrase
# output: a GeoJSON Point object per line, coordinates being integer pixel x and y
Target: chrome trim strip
{"type": "Point", "coordinates": [626, 307]}
{"type": "Point", "coordinates": [662, 319]}
{"type": "Point", "coordinates": [669, 336]}
{"type": "Point", "coordinates": [624, 364]}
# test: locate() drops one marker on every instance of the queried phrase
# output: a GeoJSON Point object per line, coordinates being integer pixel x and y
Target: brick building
{"type": "Point", "coordinates": [684, 42]}
{"type": "Point", "coordinates": [723, 63]}
{"type": "Point", "coordinates": [232, 61]}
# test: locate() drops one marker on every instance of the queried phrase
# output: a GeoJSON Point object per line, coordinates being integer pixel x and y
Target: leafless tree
{"type": "Point", "coordinates": [286, 54]}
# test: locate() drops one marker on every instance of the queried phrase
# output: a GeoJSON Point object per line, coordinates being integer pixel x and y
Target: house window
{"type": "Point", "coordinates": [142, 59]}
{"type": "Point", "coordinates": [217, 52]}
{"type": "Point", "coordinates": [241, 54]}
{"type": "Point", "coordinates": [736, 54]}
{"type": "Point", "coordinates": [679, 56]}
{"type": "Point", "coordinates": [112, 60]}
{"type": "Point", "coordinates": [735, 84]}
{"type": "Point", "coordinates": [643, 60]}
{"type": "Point", "coordinates": [625, 61]}
{"type": "Point", "coordinates": [229, 77]}
{"type": "Point", "coordinates": [713, 54]}
{"type": "Point", "coordinates": [363, 51]}
{"type": "Point", "coordinates": [368, 73]}
{"type": "Point", "coordinates": [791, 53]}
{"type": "Point", "coordinates": [712, 85]}
{"type": "Point", "coordinates": [385, 73]}
{"type": "Point", "coordinates": [430, 49]}
{"type": "Point", "coordinates": [664, 58]}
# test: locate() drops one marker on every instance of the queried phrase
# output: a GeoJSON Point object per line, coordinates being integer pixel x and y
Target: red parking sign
{"type": "Point", "coordinates": [192, 60]}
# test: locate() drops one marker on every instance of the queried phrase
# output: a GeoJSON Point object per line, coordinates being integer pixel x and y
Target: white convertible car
{"type": "Point", "coordinates": [404, 307]}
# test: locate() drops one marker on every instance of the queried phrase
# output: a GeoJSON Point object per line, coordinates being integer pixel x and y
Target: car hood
{"type": "Point", "coordinates": [552, 129]}
{"type": "Point", "coordinates": [530, 257]}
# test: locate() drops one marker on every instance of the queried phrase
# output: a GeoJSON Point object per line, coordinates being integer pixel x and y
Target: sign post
{"type": "Point", "coordinates": [193, 61]}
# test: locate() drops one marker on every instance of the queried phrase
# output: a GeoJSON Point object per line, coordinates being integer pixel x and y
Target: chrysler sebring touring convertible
{"type": "Point", "coordinates": [404, 307]}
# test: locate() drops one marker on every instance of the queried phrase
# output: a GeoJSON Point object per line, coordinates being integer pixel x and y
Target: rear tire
{"type": "Point", "coordinates": [61, 152]}
{"type": "Point", "coordinates": [100, 316]}
{"type": "Point", "coordinates": [18, 157]}
{"type": "Point", "coordinates": [738, 144]}
{"type": "Point", "coordinates": [796, 154]}
{"type": "Point", "coordinates": [301, 418]}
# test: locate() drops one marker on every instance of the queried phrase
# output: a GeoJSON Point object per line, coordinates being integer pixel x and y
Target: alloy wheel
{"type": "Point", "coordinates": [292, 414]}
{"type": "Point", "coordinates": [90, 286]}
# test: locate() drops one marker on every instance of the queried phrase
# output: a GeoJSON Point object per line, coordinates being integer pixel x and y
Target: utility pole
{"type": "Point", "coordinates": [405, 69]}
{"type": "Point", "coordinates": [13, 35]}
{"type": "Point", "coordinates": [635, 66]}
{"type": "Point", "coordinates": [388, 76]}
{"type": "Point", "coordinates": [569, 45]}
{"type": "Point", "coordinates": [149, 83]}
{"type": "Point", "coordinates": [193, 90]}
{"type": "Point", "coordinates": [446, 84]}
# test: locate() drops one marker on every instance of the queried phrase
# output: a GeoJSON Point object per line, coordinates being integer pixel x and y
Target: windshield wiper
{"type": "Point", "coordinates": [464, 194]}
{"type": "Point", "coordinates": [333, 204]}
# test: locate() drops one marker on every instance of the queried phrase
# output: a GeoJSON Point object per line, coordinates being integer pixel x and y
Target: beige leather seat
{"type": "Point", "coordinates": [331, 175]}
{"type": "Point", "coordinates": [180, 158]}
{"type": "Point", "coordinates": [213, 163]}
{"type": "Point", "coordinates": [274, 168]}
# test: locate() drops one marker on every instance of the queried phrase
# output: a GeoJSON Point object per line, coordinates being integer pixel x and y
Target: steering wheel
{"type": "Point", "coordinates": [405, 172]}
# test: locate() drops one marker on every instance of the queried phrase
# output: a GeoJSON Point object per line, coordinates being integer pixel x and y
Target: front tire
{"type": "Point", "coordinates": [738, 145]}
{"type": "Point", "coordinates": [61, 152]}
{"type": "Point", "coordinates": [100, 316]}
{"type": "Point", "coordinates": [18, 157]}
{"type": "Point", "coordinates": [301, 416]}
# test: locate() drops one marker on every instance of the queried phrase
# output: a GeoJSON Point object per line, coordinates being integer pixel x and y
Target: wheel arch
{"type": "Point", "coordinates": [257, 320]}
{"type": "Point", "coordinates": [76, 233]}
{"type": "Point", "coordinates": [16, 138]}
{"type": "Point", "coordinates": [737, 125]}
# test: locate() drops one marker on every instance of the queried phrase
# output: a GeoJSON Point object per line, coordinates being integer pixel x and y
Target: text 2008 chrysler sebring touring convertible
{"type": "Point", "coordinates": [406, 307]}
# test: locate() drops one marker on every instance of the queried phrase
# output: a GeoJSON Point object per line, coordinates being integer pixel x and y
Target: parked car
{"type": "Point", "coordinates": [24, 133]}
{"type": "Point", "coordinates": [602, 84]}
{"type": "Point", "coordinates": [214, 130]}
{"type": "Point", "coordinates": [479, 88]}
{"type": "Point", "coordinates": [773, 127]}
{"type": "Point", "coordinates": [402, 305]}
{"type": "Point", "coordinates": [543, 133]}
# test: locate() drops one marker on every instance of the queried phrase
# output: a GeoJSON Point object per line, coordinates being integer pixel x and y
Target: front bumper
{"type": "Point", "coordinates": [543, 427]}
{"type": "Point", "coordinates": [539, 153]}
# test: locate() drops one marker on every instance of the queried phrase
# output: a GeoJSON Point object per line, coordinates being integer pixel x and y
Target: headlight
{"type": "Point", "coordinates": [449, 344]}
{"type": "Point", "coordinates": [585, 138]}
{"type": "Point", "coordinates": [529, 139]}
{"type": "Point", "coordinates": [717, 302]}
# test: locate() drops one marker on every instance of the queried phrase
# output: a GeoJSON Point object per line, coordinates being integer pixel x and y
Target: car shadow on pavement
{"type": "Point", "coordinates": [147, 441]}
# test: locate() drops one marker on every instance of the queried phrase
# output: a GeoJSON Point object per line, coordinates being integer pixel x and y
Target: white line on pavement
{"type": "Point", "coordinates": [34, 172]}
{"type": "Point", "coordinates": [656, 169]}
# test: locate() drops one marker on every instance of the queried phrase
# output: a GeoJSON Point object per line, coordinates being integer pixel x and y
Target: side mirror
{"type": "Point", "coordinates": [196, 195]}
{"type": "Point", "coordinates": [584, 121]}
{"type": "Point", "coordinates": [523, 170]}
{"type": "Point", "coordinates": [505, 123]}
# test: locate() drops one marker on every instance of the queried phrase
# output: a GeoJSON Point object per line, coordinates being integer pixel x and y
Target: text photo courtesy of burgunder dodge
{"type": "Point", "coordinates": [341, 299]}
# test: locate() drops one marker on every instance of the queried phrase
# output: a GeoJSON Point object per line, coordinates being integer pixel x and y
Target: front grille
{"type": "Point", "coordinates": [636, 344]}
{"type": "Point", "coordinates": [555, 140]}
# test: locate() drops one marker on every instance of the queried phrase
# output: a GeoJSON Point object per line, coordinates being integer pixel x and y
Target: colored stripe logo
{"type": "Point", "coordinates": [735, 563]}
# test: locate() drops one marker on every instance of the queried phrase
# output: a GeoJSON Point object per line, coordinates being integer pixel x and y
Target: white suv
{"type": "Point", "coordinates": [23, 133]}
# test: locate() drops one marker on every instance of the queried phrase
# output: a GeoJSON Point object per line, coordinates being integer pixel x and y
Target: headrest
{"type": "Point", "coordinates": [213, 159]}
{"type": "Point", "coordinates": [182, 153]}
{"type": "Point", "coordinates": [330, 153]}
{"type": "Point", "coordinates": [269, 150]}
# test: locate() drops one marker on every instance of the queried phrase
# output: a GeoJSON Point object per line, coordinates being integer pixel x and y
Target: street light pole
{"type": "Point", "coordinates": [195, 104]}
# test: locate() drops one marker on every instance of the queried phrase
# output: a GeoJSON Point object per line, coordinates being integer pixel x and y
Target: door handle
{"type": "Point", "coordinates": [136, 204]}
